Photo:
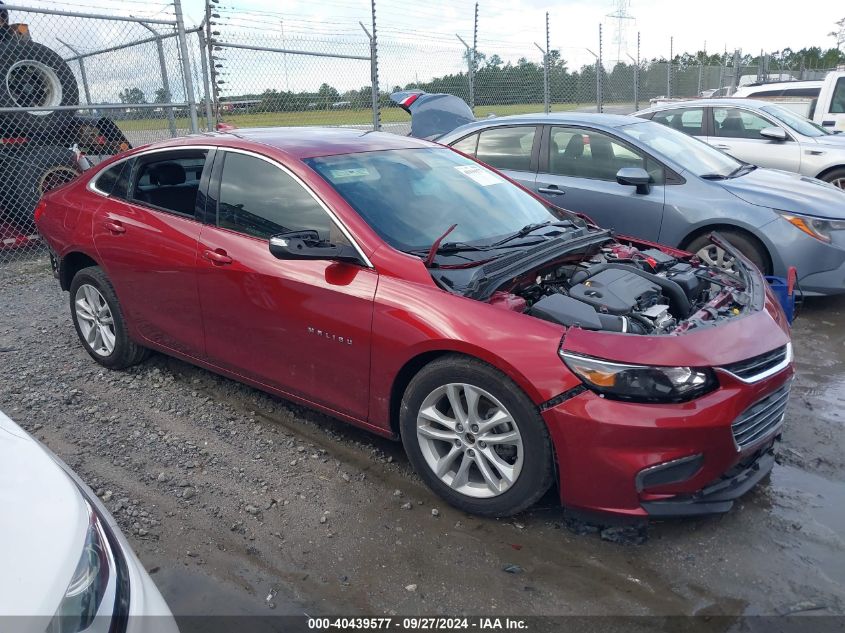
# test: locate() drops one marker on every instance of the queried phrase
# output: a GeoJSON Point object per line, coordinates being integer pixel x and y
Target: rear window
{"type": "Point", "coordinates": [114, 181]}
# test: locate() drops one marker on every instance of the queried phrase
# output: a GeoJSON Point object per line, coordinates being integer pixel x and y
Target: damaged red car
{"type": "Point", "coordinates": [396, 284]}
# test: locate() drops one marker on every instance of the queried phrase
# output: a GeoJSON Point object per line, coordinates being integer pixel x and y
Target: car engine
{"type": "Point", "coordinates": [623, 289]}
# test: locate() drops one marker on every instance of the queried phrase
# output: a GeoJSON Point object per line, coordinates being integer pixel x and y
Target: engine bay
{"type": "Point", "coordinates": [623, 289]}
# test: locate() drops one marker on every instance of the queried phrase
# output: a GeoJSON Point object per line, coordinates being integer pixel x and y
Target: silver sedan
{"type": "Point", "coordinates": [758, 132]}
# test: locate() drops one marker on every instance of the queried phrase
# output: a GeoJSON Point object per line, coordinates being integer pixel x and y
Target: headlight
{"type": "Point", "coordinates": [94, 584]}
{"type": "Point", "coordinates": [640, 383]}
{"type": "Point", "coordinates": [814, 227]}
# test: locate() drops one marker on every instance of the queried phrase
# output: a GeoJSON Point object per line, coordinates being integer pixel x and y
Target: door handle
{"type": "Point", "coordinates": [828, 123]}
{"type": "Point", "coordinates": [551, 190]}
{"type": "Point", "coordinates": [722, 146]}
{"type": "Point", "coordinates": [218, 257]}
{"type": "Point", "coordinates": [114, 226]}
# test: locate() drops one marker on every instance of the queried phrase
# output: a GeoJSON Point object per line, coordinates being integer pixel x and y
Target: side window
{"type": "Point", "coordinates": [259, 199]}
{"type": "Point", "coordinates": [736, 123]}
{"type": "Point", "coordinates": [686, 120]}
{"type": "Point", "coordinates": [837, 103]}
{"type": "Point", "coordinates": [114, 181]}
{"type": "Point", "coordinates": [170, 181]}
{"type": "Point", "coordinates": [507, 147]}
{"type": "Point", "coordinates": [467, 145]}
{"type": "Point", "coordinates": [589, 154]}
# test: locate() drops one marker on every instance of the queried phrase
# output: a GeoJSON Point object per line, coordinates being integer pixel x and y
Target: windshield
{"type": "Point", "coordinates": [695, 156]}
{"type": "Point", "coordinates": [411, 196]}
{"type": "Point", "coordinates": [797, 123]}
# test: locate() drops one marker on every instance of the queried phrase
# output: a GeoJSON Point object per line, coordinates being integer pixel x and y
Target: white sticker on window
{"type": "Point", "coordinates": [482, 176]}
{"type": "Point", "coordinates": [354, 172]}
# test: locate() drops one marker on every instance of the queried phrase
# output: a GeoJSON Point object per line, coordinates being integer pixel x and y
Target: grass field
{"type": "Point", "coordinates": [333, 117]}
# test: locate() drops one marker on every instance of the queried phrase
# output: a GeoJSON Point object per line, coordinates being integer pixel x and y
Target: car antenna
{"type": "Point", "coordinates": [436, 245]}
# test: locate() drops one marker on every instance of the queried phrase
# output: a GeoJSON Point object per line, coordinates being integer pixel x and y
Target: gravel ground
{"type": "Point", "coordinates": [239, 502]}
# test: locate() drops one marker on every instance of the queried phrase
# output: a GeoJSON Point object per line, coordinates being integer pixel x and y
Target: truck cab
{"type": "Point", "coordinates": [829, 110]}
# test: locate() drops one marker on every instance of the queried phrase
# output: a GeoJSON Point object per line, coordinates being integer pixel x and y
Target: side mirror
{"type": "Point", "coordinates": [774, 133]}
{"type": "Point", "coordinates": [308, 245]}
{"type": "Point", "coordinates": [634, 177]}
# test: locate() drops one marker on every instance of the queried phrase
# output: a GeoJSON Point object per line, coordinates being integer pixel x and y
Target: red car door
{"type": "Point", "coordinates": [146, 237]}
{"type": "Point", "coordinates": [299, 326]}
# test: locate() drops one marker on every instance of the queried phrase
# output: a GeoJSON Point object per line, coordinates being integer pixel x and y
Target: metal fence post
{"type": "Point", "coordinates": [700, 73]}
{"type": "Point", "coordinates": [206, 86]}
{"type": "Point", "coordinates": [546, 92]}
{"type": "Point", "coordinates": [474, 58]}
{"type": "Point", "coordinates": [669, 68]}
{"type": "Point", "coordinates": [376, 105]}
{"type": "Point", "coordinates": [82, 74]}
{"type": "Point", "coordinates": [165, 82]}
{"type": "Point", "coordinates": [470, 74]}
{"type": "Point", "coordinates": [545, 77]}
{"type": "Point", "coordinates": [637, 77]}
{"type": "Point", "coordinates": [599, 94]}
{"type": "Point", "coordinates": [186, 65]}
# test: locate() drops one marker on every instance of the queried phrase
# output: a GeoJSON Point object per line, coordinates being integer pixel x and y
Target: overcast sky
{"type": "Point", "coordinates": [417, 39]}
{"type": "Point", "coordinates": [574, 23]}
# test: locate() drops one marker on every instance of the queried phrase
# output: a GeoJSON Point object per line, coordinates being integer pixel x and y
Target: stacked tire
{"type": "Point", "coordinates": [35, 155]}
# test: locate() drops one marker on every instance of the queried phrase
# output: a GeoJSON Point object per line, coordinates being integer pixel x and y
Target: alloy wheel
{"type": "Point", "coordinates": [470, 440]}
{"type": "Point", "coordinates": [716, 256]}
{"type": "Point", "coordinates": [95, 319]}
{"type": "Point", "coordinates": [838, 182]}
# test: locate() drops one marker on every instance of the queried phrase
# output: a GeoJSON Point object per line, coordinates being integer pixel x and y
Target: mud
{"type": "Point", "coordinates": [292, 512]}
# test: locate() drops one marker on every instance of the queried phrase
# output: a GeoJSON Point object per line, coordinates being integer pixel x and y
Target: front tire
{"type": "Point", "coordinates": [836, 177]}
{"type": "Point", "coordinates": [475, 438]}
{"type": "Point", "coordinates": [716, 256]}
{"type": "Point", "coordinates": [99, 321]}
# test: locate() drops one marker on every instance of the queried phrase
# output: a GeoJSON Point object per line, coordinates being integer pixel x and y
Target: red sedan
{"type": "Point", "coordinates": [404, 288]}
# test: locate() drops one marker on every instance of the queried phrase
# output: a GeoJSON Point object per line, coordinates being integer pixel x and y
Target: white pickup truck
{"type": "Point", "coordinates": [820, 101]}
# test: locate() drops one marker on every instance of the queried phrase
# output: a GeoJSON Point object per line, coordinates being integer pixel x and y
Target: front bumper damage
{"type": "Point", "coordinates": [718, 496]}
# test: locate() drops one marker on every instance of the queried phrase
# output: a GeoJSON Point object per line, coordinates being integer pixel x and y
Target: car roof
{"type": "Point", "coordinates": [719, 102]}
{"type": "Point", "coordinates": [592, 118]}
{"type": "Point", "coordinates": [307, 142]}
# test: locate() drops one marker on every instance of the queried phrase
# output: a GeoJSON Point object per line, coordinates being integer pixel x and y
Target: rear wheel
{"type": "Point", "coordinates": [475, 438]}
{"type": "Point", "coordinates": [836, 177]}
{"type": "Point", "coordinates": [714, 255]}
{"type": "Point", "coordinates": [99, 321]}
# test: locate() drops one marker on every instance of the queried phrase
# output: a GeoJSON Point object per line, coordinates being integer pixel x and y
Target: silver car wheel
{"type": "Point", "coordinates": [95, 320]}
{"type": "Point", "coordinates": [713, 255]}
{"type": "Point", "coordinates": [838, 182]}
{"type": "Point", "coordinates": [469, 440]}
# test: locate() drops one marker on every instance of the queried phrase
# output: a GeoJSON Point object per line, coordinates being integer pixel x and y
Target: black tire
{"type": "Point", "coordinates": [25, 175]}
{"type": "Point", "coordinates": [537, 472]}
{"type": "Point", "coordinates": [836, 177]}
{"type": "Point", "coordinates": [33, 76]}
{"type": "Point", "coordinates": [746, 244]}
{"type": "Point", "coordinates": [126, 352]}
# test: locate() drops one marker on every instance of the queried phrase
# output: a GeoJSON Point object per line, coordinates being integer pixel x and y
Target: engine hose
{"type": "Point", "coordinates": [676, 295]}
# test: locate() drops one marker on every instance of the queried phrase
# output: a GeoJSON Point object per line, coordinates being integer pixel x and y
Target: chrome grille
{"type": "Point", "coordinates": [761, 419]}
{"type": "Point", "coordinates": [758, 367]}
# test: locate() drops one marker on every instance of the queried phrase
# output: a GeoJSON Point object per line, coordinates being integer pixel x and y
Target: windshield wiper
{"type": "Point", "coordinates": [527, 230]}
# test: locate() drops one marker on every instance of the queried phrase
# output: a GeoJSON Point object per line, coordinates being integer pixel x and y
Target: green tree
{"type": "Point", "coordinates": [132, 95]}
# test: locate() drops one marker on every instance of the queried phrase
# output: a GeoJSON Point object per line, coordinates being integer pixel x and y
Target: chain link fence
{"type": "Point", "coordinates": [76, 87]}
{"type": "Point", "coordinates": [75, 84]}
